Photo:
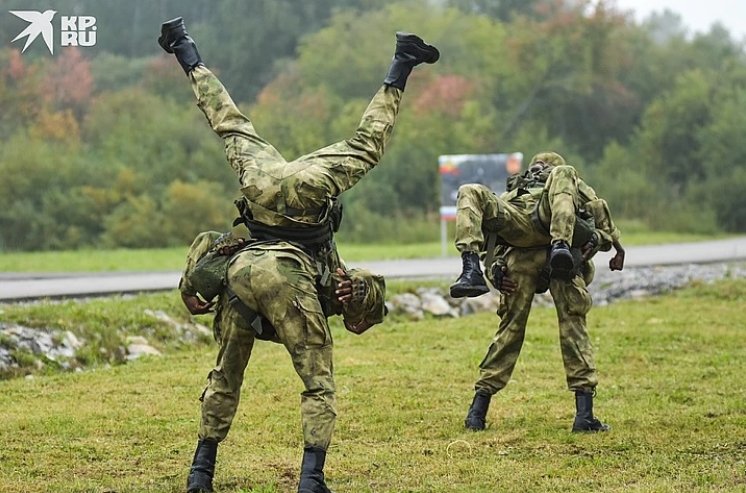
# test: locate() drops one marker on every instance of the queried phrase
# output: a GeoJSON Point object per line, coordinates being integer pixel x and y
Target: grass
{"type": "Point", "coordinates": [671, 371]}
{"type": "Point", "coordinates": [162, 259]}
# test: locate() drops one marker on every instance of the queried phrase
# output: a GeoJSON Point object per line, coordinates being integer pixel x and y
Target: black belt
{"type": "Point", "coordinates": [313, 236]}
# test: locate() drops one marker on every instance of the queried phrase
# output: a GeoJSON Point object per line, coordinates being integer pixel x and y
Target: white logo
{"type": "Point", "coordinates": [40, 24]}
{"type": "Point", "coordinates": [75, 30]}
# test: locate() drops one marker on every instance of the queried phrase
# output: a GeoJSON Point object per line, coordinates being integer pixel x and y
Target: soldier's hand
{"type": "Point", "coordinates": [344, 290]}
{"type": "Point", "coordinates": [617, 261]}
{"type": "Point", "coordinates": [231, 249]}
{"type": "Point", "coordinates": [590, 248]}
{"type": "Point", "coordinates": [503, 282]}
{"type": "Point", "coordinates": [358, 328]}
{"type": "Point", "coordinates": [196, 305]}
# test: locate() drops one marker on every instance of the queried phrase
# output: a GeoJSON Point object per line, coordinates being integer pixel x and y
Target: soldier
{"type": "Point", "coordinates": [287, 277]}
{"type": "Point", "coordinates": [359, 298]}
{"type": "Point", "coordinates": [519, 273]}
{"type": "Point", "coordinates": [541, 208]}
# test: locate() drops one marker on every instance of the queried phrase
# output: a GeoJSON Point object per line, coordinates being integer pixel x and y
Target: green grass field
{"type": "Point", "coordinates": [672, 387]}
{"type": "Point", "coordinates": [173, 258]}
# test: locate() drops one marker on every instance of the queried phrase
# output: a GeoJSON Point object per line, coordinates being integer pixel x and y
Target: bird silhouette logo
{"type": "Point", "coordinates": [40, 23]}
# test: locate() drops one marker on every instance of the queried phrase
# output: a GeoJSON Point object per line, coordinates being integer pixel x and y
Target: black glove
{"type": "Point", "coordinates": [501, 280]}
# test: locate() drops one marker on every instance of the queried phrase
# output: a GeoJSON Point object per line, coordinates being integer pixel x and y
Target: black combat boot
{"type": "Point", "coordinates": [174, 39]}
{"type": "Point", "coordinates": [411, 51]}
{"type": "Point", "coordinates": [203, 467]}
{"type": "Point", "coordinates": [471, 282]}
{"type": "Point", "coordinates": [477, 415]}
{"type": "Point", "coordinates": [561, 262]}
{"type": "Point", "coordinates": [584, 418]}
{"type": "Point", "coordinates": [312, 471]}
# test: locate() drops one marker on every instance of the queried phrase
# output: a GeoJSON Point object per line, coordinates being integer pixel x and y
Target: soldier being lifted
{"type": "Point", "coordinates": [287, 276]}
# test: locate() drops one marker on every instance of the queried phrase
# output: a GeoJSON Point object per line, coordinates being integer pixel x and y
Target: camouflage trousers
{"type": "Point", "coordinates": [519, 221]}
{"type": "Point", "coordinates": [326, 172]}
{"type": "Point", "coordinates": [280, 284]}
{"type": "Point", "coordinates": [572, 302]}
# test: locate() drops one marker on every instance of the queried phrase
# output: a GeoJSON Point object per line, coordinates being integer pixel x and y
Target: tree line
{"type": "Point", "coordinates": [104, 146]}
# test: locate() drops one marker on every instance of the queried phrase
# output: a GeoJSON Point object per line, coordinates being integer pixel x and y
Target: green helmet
{"type": "Point", "coordinates": [548, 158]}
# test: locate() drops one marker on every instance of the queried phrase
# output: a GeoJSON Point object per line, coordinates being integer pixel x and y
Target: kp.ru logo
{"type": "Point", "coordinates": [75, 30]}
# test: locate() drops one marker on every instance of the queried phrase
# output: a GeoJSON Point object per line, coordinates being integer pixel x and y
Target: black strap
{"type": "Point", "coordinates": [312, 236]}
{"type": "Point", "coordinates": [252, 317]}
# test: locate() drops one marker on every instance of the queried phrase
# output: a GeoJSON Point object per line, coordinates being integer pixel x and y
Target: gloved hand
{"type": "Point", "coordinates": [502, 282]}
{"type": "Point", "coordinates": [352, 291]}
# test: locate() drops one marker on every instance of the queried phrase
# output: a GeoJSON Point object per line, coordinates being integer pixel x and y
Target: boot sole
{"type": "Point", "coordinates": [468, 292]}
{"type": "Point", "coordinates": [474, 428]}
{"type": "Point", "coordinates": [561, 266]}
{"type": "Point", "coordinates": [591, 430]}
{"type": "Point", "coordinates": [165, 28]}
{"type": "Point", "coordinates": [428, 53]}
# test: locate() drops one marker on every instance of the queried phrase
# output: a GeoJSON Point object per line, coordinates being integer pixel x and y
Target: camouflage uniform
{"type": "Point", "coordinates": [267, 280]}
{"type": "Point", "coordinates": [572, 302]}
{"type": "Point", "coordinates": [513, 216]}
{"type": "Point", "coordinates": [531, 217]}
{"type": "Point", "coordinates": [278, 279]}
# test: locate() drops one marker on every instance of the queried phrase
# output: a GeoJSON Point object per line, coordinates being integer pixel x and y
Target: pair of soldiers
{"type": "Point", "coordinates": [540, 234]}
{"type": "Point", "coordinates": [284, 282]}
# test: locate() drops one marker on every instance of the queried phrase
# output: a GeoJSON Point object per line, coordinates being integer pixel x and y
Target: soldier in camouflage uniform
{"type": "Point", "coordinates": [291, 207]}
{"type": "Point", "coordinates": [540, 210]}
{"type": "Point", "coordinates": [359, 298]}
{"type": "Point", "coordinates": [520, 272]}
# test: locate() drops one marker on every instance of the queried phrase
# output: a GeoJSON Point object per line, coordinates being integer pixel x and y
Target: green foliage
{"type": "Point", "coordinates": [104, 146]}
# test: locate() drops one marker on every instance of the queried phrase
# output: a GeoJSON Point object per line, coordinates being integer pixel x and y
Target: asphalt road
{"type": "Point", "coordinates": [24, 286]}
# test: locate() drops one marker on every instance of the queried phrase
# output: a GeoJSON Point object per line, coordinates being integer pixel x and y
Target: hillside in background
{"type": "Point", "coordinates": [104, 146]}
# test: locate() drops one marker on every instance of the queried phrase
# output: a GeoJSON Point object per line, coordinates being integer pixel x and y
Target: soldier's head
{"type": "Point", "coordinates": [547, 159]}
{"type": "Point", "coordinates": [544, 161]}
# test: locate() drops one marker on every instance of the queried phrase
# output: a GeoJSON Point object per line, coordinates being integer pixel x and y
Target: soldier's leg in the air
{"type": "Point", "coordinates": [243, 146]}
{"type": "Point", "coordinates": [220, 398]}
{"type": "Point", "coordinates": [340, 166]}
{"type": "Point", "coordinates": [558, 206]}
{"type": "Point", "coordinates": [499, 362]}
{"type": "Point", "coordinates": [572, 301]}
{"type": "Point", "coordinates": [282, 288]}
{"type": "Point", "coordinates": [476, 206]}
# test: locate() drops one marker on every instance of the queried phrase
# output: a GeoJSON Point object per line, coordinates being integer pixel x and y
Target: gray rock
{"type": "Point", "coordinates": [485, 303]}
{"type": "Point", "coordinates": [435, 304]}
{"type": "Point", "coordinates": [137, 340]}
{"type": "Point", "coordinates": [135, 351]}
{"type": "Point", "coordinates": [406, 304]}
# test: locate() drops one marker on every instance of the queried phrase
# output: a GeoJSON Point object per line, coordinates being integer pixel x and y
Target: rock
{"type": "Point", "coordinates": [436, 304]}
{"type": "Point", "coordinates": [162, 316]}
{"type": "Point", "coordinates": [485, 303]}
{"type": "Point", "coordinates": [137, 340]}
{"type": "Point", "coordinates": [406, 304]}
{"type": "Point", "coordinates": [135, 351]}
{"type": "Point", "coordinates": [203, 330]}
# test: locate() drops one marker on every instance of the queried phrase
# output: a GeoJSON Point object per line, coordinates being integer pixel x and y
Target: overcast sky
{"type": "Point", "coordinates": [698, 15]}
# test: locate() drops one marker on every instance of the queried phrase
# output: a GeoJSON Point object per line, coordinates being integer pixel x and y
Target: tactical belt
{"type": "Point", "coordinates": [313, 236]}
